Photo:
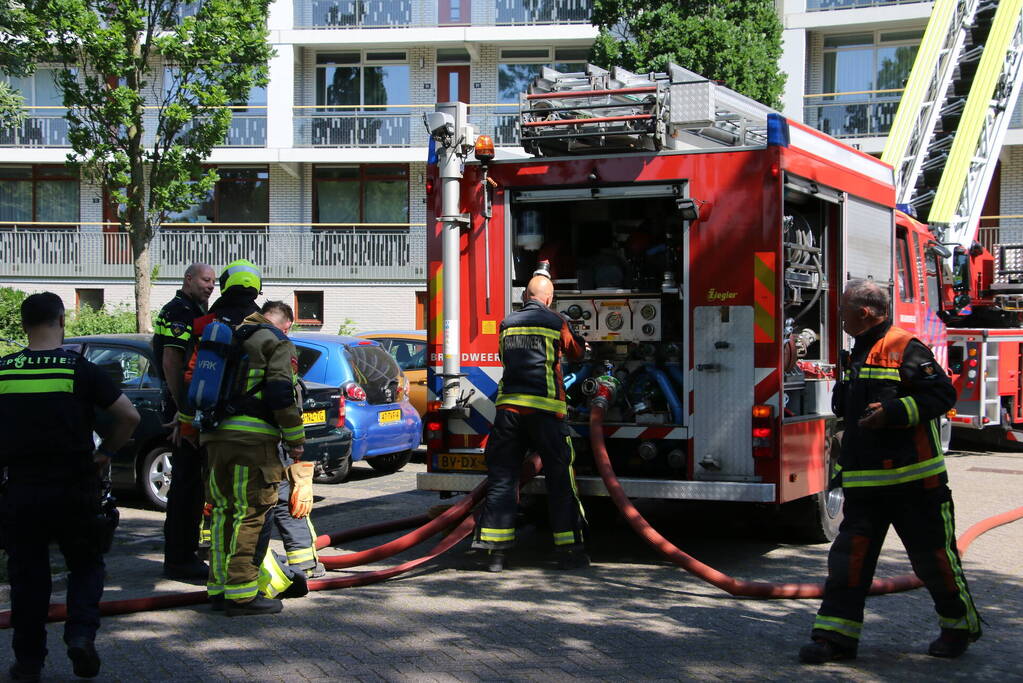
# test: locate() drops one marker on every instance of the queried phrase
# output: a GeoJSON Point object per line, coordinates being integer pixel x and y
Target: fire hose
{"type": "Point", "coordinates": [458, 516]}
{"type": "Point", "coordinates": [733, 586]}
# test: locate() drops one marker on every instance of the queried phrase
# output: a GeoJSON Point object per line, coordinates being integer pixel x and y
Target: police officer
{"type": "Point", "coordinates": [172, 336]}
{"type": "Point", "coordinates": [890, 397]}
{"type": "Point", "coordinates": [242, 450]}
{"type": "Point", "coordinates": [298, 534]}
{"type": "Point", "coordinates": [530, 415]}
{"type": "Point", "coordinates": [47, 401]}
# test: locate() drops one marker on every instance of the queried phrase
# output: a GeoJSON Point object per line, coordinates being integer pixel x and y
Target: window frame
{"type": "Point", "coordinates": [361, 180]}
{"type": "Point", "coordinates": [35, 178]}
{"type": "Point", "coordinates": [309, 321]}
{"type": "Point", "coordinates": [78, 297]}
{"type": "Point", "coordinates": [216, 197]}
{"type": "Point", "coordinates": [365, 59]}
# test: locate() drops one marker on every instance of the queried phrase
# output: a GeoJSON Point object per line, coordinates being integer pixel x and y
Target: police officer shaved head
{"type": "Point", "coordinates": [198, 282]}
{"type": "Point", "coordinates": [869, 294]}
{"type": "Point", "coordinates": [42, 309]}
{"type": "Point", "coordinates": [540, 288]}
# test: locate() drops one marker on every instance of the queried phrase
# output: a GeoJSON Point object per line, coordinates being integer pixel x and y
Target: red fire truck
{"type": "Point", "coordinates": [699, 242]}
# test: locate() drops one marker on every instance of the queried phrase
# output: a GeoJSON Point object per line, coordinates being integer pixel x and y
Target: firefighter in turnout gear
{"type": "Point", "coordinates": [891, 395]}
{"type": "Point", "coordinates": [48, 398]}
{"type": "Point", "coordinates": [172, 337]}
{"type": "Point", "coordinates": [530, 416]}
{"type": "Point", "coordinates": [242, 451]}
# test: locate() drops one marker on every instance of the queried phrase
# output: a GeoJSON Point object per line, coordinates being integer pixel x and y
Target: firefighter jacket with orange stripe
{"type": "Point", "coordinates": [890, 366]}
{"type": "Point", "coordinates": [533, 340]}
{"type": "Point", "coordinates": [267, 406]}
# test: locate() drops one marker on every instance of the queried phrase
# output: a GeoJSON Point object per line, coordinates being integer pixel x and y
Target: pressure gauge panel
{"type": "Point", "coordinates": [603, 317]}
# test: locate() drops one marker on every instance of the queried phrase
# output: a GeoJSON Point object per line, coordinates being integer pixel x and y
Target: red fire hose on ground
{"type": "Point", "coordinates": [459, 516]}
{"type": "Point", "coordinates": [733, 586]}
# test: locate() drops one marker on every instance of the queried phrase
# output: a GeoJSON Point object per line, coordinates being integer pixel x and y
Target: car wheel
{"type": "Point", "coordinates": [391, 462]}
{"type": "Point", "coordinates": [334, 476]}
{"type": "Point", "coordinates": [155, 475]}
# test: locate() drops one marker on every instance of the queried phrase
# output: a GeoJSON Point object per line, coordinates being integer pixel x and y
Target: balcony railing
{"type": "Point", "coordinates": [823, 5]}
{"type": "Point", "coordinates": [859, 114]}
{"type": "Point", "coordinates": [1007, 229]}
{"type": "Point", "coordinates": [48, 127]}
{"type": "Point", "coordinates": [333, 14]}
{"type": "Point", "coordinates": [284, 252]}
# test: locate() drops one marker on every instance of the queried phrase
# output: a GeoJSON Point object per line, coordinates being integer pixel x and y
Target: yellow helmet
{"type": "Point", "coordinates": [241, 273]}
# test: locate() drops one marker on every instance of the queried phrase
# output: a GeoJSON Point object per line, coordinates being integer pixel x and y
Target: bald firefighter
{"type": "Point", "coordinates": [892, 470]}
{"type": "Point", "coordinates": [530, 416]}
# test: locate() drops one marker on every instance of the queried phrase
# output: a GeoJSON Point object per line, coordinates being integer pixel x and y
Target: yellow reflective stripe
{"type": "Point", "coordinates": [245, 423]}
{"type": "Point", "coordinates": [293, 433]}
{"type": "Point", "coordinates": [564, 538]}
{"type": "Point", "coordinates": [872, 372]}
{"type": "Point", "coordinates": [971, 616]}
{"type": "Point", "coordinates": [272, 580]}
{"type": "Point", "coordinates": [571, 477]}
{"type": "Point", "coordinates": [542, 331]}
{"type": "Point", "coordinates": [37, 386]}
{"type": "Point", "coordinates": [529, 401]}
{"type": "Point", "coordinates": [967, 136]}
{"type": "Point", "coordinates": [912, 414]}
{"type": "Point", "coordinates": [37, 371]}
{"type": "Point", "coordinates": [241, 591]}
{"type": "Point", "coordinates": [217, 519]}
{"type": "Point", "coordinates": [549, 367]}
{"type": "Point", "coordinates": [898, 475]}
{"type": "Point", "coordinates": [300, 556]}
{"type": "Point", "coordinates": [846, 627]}
{"type": "Point", "coordinates": [497, 535]}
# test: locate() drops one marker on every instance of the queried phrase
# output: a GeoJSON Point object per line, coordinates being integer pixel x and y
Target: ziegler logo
{"type": "Point", "coordinates": [714, 295]}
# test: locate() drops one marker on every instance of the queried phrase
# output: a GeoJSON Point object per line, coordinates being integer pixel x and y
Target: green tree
{"type": "Point", "coordinates": [19, 44]}
{"type": "Point", "coordinates": [150, 160]}
{"type": "Point", "coordinates": [736, 42]}
{"type": "Point", "coordinates": [112, 320]}
{"type": "Point", "coordinates": [10, 319]}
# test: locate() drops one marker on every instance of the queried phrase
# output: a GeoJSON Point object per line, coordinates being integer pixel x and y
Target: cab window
{"type": "Point", "coordinates": [902, 265]}
{"type": "Point", "coordinates": [933, 283]}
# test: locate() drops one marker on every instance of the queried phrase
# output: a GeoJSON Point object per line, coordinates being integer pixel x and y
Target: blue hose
{"type": "Point", "coordinates": [669, 393]}
{"type": "Point", "coordinates": [675, 372]}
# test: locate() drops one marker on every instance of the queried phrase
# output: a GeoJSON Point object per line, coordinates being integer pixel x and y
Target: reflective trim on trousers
{"type": "Point", "coordinates": [846, 627]}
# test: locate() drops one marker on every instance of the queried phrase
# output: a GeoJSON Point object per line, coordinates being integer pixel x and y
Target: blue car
{"type": "Point", "coordinates": [385, 426]}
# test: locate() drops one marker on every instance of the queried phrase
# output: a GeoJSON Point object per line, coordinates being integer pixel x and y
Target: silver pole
{"type": "Point", "coordinates": [450, 171]}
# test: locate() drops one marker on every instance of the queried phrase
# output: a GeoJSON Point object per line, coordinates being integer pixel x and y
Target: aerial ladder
{"type": "Point", "coordinates": [949, 129]}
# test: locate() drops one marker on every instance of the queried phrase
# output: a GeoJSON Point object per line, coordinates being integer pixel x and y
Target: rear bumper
{"type": "Point", "coordinates": [372, 438]}
{"type": "Point", "coordinates": [331, 448]}
{"type": "Point", "coordinates": [728, 491]}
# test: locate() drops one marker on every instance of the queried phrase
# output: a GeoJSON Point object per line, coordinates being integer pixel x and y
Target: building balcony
{"type": "Point", "coordinates": [336, 253]}
{"type": "Point", "coordinates": [361, 14]}
{"type": "Point", "coordinates": [825, 5]}
{"type": "Point", "coordinates": [852, 114]}
{"type": "Point", "coordinates": [47, 127]}
{"type": "Point", "coordinates": [392, 125]}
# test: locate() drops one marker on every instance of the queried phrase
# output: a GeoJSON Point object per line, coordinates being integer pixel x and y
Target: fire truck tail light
{"type": "Point", "coordinates": [434, 436]}
{"type": "Point", "coordinates": [763, 431]}
{"type": "Point", "coordinates": [429, 187]}
{"type": "Point", "coordinates": [484, 148]}
{"type": "Point", "coordinates": [761, 411]}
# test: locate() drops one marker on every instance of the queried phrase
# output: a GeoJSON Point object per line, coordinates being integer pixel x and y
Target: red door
{"type": "Point", "coordinates": [116, 248]}
{"type": "Point", "coordinates": [453, 84]}
{"type": "Point", "coordinates": [453, 12]}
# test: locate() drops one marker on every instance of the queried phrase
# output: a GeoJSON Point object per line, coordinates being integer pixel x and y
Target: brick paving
{"type": "Point", "coordinates": [629, 617]}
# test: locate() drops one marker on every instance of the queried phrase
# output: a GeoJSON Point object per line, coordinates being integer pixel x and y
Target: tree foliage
{"type": "Point", "coordinates": [19, 45]}
{"type": "Point", "coordinates": [148, 93]}
{"type": "Point", "coordinates": [736, 42]}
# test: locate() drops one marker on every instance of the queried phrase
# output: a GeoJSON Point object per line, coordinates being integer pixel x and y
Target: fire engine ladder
{"type": "Point", "coordinates": [596, 110]}
{"type": "Point", "coordinates": [949, 129]}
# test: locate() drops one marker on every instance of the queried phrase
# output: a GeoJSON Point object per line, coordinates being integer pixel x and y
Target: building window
{"type": "Point", "coordinates": [354, 91]}
{"type": "Point", "coordinates": [516, 70]}
{"type": "Point", "coordinates": [93, 298]}
{"type": "Point", "coordinates": [309, 308]}
{"type": "Point", "coordinates": [240, 199]}
{"type": "Point", "coordinates": [38, 195]}
{"type": "Point", "coordinates": [371, 194]}
{"type": "Point", "coordinates": [864, 74]}
{"type": "Point", "coordinates": [44, 125]}
{"type": "Point", "coordinates": [248, 115]}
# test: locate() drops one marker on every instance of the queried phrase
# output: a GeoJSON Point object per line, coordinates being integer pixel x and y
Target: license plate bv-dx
{"type": "Point", "coordinates": [472, 462]}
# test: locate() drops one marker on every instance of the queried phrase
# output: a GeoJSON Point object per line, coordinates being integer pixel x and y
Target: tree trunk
{"type": "Point", "coordinates": [143, 272]}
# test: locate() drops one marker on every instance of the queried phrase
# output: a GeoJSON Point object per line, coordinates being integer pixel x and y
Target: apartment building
{"type": "Point", "coordinates": [322, 173]}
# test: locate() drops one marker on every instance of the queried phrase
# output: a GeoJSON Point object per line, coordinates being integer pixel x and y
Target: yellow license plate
{"type": "Point", "coordinates": [388, 416]}
{"type": "Point", "coordinates": [314, 417]}
{"type": "Point", "coordinates": [475, 462]}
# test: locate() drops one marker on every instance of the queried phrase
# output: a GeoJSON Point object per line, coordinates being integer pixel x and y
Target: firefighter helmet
{"type": "Point", "coordinates": [241, 273]}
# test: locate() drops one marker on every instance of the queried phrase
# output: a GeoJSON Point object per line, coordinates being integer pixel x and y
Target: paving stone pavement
{"type": "Point", "coordinates": [629, 617]}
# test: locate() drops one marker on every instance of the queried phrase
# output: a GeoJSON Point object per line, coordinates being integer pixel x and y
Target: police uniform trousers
{"type": "Point", "coordinates": [242, 487]}
{"type": "Point", "coordinates": [184, 504]}
{"type": "Point", "coordinates": [298, 535]}
{"type": "Point", "coordinates": [512, 436]}
{"type": "Point", "coordinates": [34, 514]}
{"type": "Point", "coordinates": [925, 521]}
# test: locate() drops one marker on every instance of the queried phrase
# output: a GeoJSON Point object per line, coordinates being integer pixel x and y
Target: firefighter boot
{"type": "Point", "coordinates": [316, 572]}
{"type": "Point", "coordinates": [83, 656]}
{"type": "Point", "coordinates": [22, 671]}
{"type": "Point", "coordinates": [950, 644]}
{"type": "Point", "coordinates": [822, 650]}
{"type": "Point", "coordinates": [485, 560]}
{"type": "Point", "coordinates": [256, 606]}
{"type": "Point", "coordinates": [573, 559]}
